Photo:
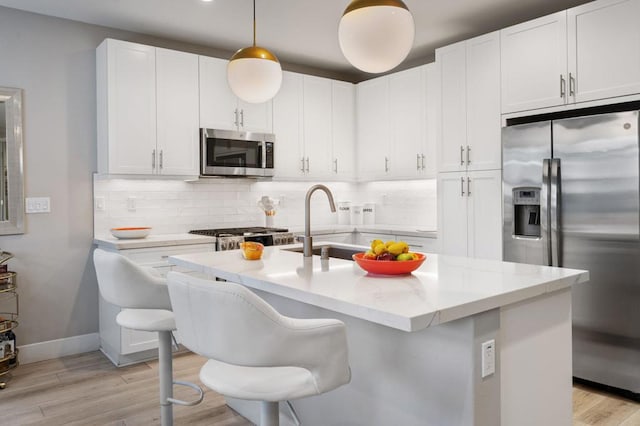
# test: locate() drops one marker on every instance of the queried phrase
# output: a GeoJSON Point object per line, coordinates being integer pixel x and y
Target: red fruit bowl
{"type": "Point", "coordinates": [388, 267]}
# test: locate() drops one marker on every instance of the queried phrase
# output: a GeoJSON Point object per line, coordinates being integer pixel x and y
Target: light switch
{"type": "Point", "coordinates": [99, 204]}
{"type": "Point", "coordinates": [131, 203]}
{"type": "Point", "coordinates": [38, 205]}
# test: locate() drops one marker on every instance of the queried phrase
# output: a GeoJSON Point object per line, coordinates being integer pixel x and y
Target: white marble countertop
{"type": "Point", "coordinates": [152, 240]}
{"type": "Point", "coordinates": [443, 289]}
{"type": "Point", "coordinates": [162, 240]}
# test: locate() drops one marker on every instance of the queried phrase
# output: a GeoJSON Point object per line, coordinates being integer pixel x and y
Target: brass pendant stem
{"type": "Point", "coordinates": [254, 22]}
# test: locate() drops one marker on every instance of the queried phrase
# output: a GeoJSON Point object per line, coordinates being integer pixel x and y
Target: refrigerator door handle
{"type": "Point", "coordinates": [544, 212]}
{"type": "Point", "coordinates": [554, 213]}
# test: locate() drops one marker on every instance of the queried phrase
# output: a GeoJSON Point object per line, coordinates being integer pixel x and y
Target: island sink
{"type": "Point", "coordinates": [337, 252]}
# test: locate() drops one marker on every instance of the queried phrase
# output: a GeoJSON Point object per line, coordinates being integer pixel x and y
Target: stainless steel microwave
{"type": "Point", "coordinates": [236, 153]}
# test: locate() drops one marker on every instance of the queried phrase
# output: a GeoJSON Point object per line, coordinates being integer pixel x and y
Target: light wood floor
{"type": "Point", "coordinates": [87, 389]}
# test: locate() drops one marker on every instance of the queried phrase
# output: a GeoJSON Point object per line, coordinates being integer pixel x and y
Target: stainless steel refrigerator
{"type": "Point", "coordinates": [571, 199]}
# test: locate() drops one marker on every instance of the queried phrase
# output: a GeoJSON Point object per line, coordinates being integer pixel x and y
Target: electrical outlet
{"type": "Point", "coordinates": [99, 204]}
{"type": "Point", "coordinates": [488, 358]}
{"type": "Point", "coordinates": [38, 205]}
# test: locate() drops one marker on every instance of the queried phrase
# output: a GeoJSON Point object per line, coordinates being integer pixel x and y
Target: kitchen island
{"type": "Point", "coordinates": [415, 341]}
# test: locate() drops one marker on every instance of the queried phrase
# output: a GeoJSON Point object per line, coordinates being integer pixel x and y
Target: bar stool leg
{"type": "Point", "coordinates": [165, 370]}
{"type": "Point", "coordinates": [269, 413]}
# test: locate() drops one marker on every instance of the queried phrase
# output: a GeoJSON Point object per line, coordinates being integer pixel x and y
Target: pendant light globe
{"type": "Point", "coordinates": [376, 35]}
{"type": "Point", "coordinates": [254, 74]}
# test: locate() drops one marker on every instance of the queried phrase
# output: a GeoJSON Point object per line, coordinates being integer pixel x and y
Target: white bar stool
{"type": "Point", "coordinates": [254, 352]}
{"type": "Point", "coordinates": [146, 306]}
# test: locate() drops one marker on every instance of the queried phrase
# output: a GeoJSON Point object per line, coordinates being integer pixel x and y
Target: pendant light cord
{"type": "Point", "coordinates": [254, 23]}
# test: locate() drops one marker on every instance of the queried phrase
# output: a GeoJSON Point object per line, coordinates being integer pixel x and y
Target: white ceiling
{"type": "Point", "coordinates": [302, 32]}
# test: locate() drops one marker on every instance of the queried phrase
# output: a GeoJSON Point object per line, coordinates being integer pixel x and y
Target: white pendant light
{"type": "Point", "coordinates": [376, 35]}
{"type": "Point", "coordinates": [254, 73]}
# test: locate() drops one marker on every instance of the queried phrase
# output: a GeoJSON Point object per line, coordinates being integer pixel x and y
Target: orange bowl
{"type": "Point", "coordinates": [251, 250]}
{"type": "Point", "coordinates": [389, 267]}
{"type": "Point", "coordinates": [131, 232]}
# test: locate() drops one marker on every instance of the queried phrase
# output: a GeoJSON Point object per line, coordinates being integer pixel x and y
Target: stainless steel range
{"type": "Point", "coordinates": [230, 238]}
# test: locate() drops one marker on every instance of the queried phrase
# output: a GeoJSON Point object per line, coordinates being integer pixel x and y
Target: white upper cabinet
{"type": "Point", "coordinates": [604, 49]}
{"type": "Point", "coordinates": [407, 119]}
{"type": "Point", "coordinates": [373, 141]}
{"type": "Point", "coordinates": [177, 112]}
{"type": "Point", "coordinates": [343, 162]}
{"type": "Point", "coordinates": [396, 125]}
{"type": "Point", "coordinates": [219, 106]}
{"type": "Point", "coordinates": [582, 54]}
{"type": "Point", "coordinates": [534, 63]}
{"type": "Point", "coordinates": [287, 126]}
{"type": "Point", "coordinates": [451, 63]}
{"type": "Point", "coordinates": [126, 110]}
{"type": "Point", "coordinates": [469, 77]}
{"type": "Point", "coordinates": [317, 132]}
{"type": "Point", "coordinates": [147, 100]}
{"type": "Point", "coordinates": [313, 120]}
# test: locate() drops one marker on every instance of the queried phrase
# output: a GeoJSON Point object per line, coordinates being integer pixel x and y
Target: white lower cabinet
{"type": "Point", "coordinates": [343, 237]}
{"type": "Point", "coordinates": [470, 214]}
{"type": "Point", "coordinates": [125, 346]}
{"type": "Point", "coordinates": [419, 244]}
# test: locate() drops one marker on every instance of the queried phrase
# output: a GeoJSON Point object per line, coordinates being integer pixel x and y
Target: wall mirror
{"type": "Point", "coordinates": [11, 171]}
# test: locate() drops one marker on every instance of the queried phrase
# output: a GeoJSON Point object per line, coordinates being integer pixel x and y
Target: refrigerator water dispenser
{"type": "Point", "coordinates": [526, 212]}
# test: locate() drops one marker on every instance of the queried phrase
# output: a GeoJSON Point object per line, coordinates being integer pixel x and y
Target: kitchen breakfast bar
{"type": "Point", "coordinates": [417, 341]}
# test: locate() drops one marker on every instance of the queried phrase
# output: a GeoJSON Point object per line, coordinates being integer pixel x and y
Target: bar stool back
{"type": "Point", "coordinates": [145, 303]}
{"type": "Point", "coordinates": [254, 352]}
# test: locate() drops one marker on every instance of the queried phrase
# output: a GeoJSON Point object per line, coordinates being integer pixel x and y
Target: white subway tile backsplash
{"type": "Point", "coordinates": [174, 206]}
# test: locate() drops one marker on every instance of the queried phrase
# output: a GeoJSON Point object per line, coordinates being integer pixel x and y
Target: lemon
{"type": "Point", "coordinates": [396, 248]}
{"type": "Point", "coordinates": [380, 248]}
{"type": "Point", "coordinates": [405, 246]}
{"type": "Point", "coordinates": [374, 243]}
{"type": "Point", "coordinates": [388, 243]}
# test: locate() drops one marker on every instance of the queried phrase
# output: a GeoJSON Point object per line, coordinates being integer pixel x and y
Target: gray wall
{"type": "Point", "coordinates": [53, 60]}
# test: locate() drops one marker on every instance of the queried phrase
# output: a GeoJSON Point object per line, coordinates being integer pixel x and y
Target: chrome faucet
{"type": "Point", "coordinates": [307, 245]}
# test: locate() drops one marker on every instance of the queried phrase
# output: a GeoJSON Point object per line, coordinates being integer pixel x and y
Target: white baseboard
{"type": "Point", "coordinates": [58, 348]}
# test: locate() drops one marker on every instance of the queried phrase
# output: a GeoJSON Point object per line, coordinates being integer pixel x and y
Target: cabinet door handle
{"type": "Point", "coordinates": [161, 156]}
{"type": "Point", "coordinates": [335, 165]}
{"type": "Point", "coordinates": [418, 162]}
{"type": "Point", "coordinates": [572, 85]}
{"type": "Point", "coordinates": [462, 187]}
{"type": "Point", "coordinates": [422, 161]}
{"type": "Point", "coordinates": [153, 160]}
{"type": "Point", "coordinates": [241, 118]}
{"type": "Point", "coordinates": [386, 164]}
{"type": "Point", "coordinates": [468, 155]}
{"type": "Point", "coordinates": [461, 155]}
{"type": "Point", "coordinates": [302, 165]}
{"type": "Point", "coordinates": [468, 187]}
{"type": "Point", "coordinates": [563, 89]}
{"type": "Point", "coordinates": [307, 164]}
{"type": "Point", "coordinates": [235, 112]}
